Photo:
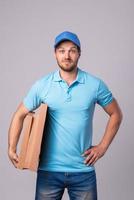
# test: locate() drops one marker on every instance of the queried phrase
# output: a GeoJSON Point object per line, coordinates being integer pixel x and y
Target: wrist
{"type": "Point", "coordinates": [11, 148]}
{"type": "Point", "coordinates": [103, 146]}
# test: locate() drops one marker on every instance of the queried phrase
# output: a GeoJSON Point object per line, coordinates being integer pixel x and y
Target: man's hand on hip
{"type": "Point", "coordinates": [93, 154]}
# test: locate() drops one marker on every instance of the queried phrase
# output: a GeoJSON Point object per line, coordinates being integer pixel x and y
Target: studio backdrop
{"type": "Point", "coordinates": [105, 29]}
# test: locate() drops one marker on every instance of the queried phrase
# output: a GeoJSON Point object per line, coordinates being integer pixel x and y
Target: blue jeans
{"type": "Point", "coordinates": [80, 185]}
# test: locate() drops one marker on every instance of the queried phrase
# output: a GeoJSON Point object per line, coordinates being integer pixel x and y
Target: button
{"type": "Point", "coordinates": [69, 98]}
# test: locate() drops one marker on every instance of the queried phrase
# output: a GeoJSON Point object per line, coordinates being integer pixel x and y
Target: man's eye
{"type": "Point", "coordinates": [73, 50]}
{"type": "Point", "coordinates": [61, 51]}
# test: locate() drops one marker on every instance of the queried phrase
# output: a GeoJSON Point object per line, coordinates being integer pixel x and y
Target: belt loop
{"type": "Point", "coordinates": [66, 173]}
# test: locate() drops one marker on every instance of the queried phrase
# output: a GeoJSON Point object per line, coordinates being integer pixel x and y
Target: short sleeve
{"type": "Point", "coordinates": [32, 99]}
{"type": "Point", "coordinates": [104, 95]}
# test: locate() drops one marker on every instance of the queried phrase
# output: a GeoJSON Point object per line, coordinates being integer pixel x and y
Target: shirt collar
{"type": "Point", "coordinates": [79, 78]}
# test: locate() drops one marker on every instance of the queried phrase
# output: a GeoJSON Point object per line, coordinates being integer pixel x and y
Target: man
{"type": "Point", "coordinates": [67, 157]}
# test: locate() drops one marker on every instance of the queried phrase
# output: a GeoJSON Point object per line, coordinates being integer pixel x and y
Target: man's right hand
{"type": "Point", "coordinates": [13, 157]}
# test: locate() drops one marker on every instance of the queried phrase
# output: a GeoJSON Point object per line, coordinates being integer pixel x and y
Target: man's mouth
{"type": "Point", "coordinates": [67, 61]}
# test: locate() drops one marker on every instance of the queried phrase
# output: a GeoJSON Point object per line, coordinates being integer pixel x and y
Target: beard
{"type": "Point", "coordinates": [67, 65]}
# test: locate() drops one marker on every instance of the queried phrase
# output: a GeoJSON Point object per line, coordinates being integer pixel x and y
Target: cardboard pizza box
{"type": "Point", "coordinates": [32, 134]}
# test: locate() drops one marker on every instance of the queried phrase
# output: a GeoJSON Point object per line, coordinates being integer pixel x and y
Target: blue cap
{"type": "Point", "coordinates": [66, 35]}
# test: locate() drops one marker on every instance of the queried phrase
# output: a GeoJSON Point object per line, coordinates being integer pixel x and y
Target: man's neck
{"type": "Point", "coordinates": [69, 77]}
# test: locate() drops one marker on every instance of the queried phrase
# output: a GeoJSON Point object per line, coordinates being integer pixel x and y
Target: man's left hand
{"type": "Point", "coordinates": [93, 154]}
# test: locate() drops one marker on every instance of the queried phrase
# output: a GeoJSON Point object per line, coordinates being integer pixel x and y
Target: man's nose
{"type": "Point", "coordinates": [67, 55]}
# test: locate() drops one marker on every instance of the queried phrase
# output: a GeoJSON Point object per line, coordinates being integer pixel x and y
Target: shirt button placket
{"type": "Point", "coordinates": [68, 95]}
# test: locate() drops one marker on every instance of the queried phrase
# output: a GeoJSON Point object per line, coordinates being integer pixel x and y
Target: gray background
{"type": "Point", "coordinates": [105, 28]}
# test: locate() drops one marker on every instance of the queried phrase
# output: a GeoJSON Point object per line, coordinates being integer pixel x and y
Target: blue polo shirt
{"type": "Point", "coordinates": [68, 131]}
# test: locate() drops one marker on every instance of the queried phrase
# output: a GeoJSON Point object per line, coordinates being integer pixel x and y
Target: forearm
{"type": "Point", "coordinates": [111, 130]}
{"type": "Point", "coordinates": [14, 132]}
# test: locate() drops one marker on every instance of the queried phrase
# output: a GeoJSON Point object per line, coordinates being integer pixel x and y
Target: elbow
{"type": "Point", "coordinates": [119, 117]}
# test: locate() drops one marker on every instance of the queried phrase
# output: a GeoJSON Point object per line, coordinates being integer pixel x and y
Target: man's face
{"type": "Point", "coordinates": [67, 56]}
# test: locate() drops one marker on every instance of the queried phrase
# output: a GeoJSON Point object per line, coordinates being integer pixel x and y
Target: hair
{"type": "Point", "coordinates": [78, 48]}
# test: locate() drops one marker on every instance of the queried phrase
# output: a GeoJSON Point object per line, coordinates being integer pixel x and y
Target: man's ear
{"type": "Point", "coordinates": [79, 54]}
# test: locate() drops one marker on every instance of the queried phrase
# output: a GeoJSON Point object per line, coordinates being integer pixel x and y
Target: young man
{"type": "Point", "coordinates": [67, 156]}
